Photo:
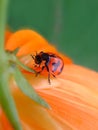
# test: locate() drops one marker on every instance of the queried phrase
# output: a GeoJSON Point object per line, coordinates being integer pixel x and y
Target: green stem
{"type": "Point", "coordinates": [3, 13]}
{"type": "Point", "coordinates": [6, 100]}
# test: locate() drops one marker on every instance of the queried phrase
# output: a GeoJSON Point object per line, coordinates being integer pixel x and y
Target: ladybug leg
{"type": "Point", "coordinates": [49, 78]}
{"type": "Point", "coordinates": [36, 74]}
{"type": "Point", "coordinates": [48, 73]}
{"type": "Point", "coordinates": [53, 75]}
{"type": "Point", "coordinates": [33, 56]}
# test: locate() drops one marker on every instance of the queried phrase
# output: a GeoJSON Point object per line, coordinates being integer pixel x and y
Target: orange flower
{"type": "Point", "coordinates": [7, 35]}
{"type": "Point", "coordinates": [73, 95]}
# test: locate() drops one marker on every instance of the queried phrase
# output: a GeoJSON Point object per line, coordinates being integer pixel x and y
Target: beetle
{"type": "Point", "coordinates": [52, 62]}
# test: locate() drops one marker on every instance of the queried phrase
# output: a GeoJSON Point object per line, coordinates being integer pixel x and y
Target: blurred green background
{"type": "Point", "coordinates": [72, 25]}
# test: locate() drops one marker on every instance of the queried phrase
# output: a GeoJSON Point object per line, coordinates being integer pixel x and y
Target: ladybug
{"type": "Point", "coordinates": [53, 63]}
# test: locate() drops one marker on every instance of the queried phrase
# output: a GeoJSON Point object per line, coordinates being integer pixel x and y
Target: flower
{"type": "Point", "coordinates": [73, 95]}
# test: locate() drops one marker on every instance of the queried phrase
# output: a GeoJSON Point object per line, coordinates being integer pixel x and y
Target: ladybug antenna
{"type": "Point", "coordinates": [33, 56]}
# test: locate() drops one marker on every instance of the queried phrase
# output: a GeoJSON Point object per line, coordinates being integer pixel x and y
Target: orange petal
{"type": "Point", "coordinates": [69, 112]}
{"type": "Point", "coordinates": [73, 96]}
{"type": "Point", "coordinates": [35, 116]}
{"type": "Point", "coordinates": [21, 37]}
{"type": "Point", "coordinates": [4, 122]}
{"type": "Point", "coordinates": [7, 35]}
{"type": "Point", "coordinates": [32, 47]}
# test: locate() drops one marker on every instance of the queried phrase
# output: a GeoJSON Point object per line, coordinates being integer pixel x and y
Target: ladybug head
{"type": "Point", "coordinates": [38, 58]}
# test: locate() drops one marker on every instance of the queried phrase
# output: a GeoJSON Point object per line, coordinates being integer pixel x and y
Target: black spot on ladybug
{"type": "Point", "coordinates": [55, 66]}
{"type": "Point", "coordinates": [61, 69]}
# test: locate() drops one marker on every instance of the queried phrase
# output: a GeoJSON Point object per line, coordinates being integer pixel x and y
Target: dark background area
{"type": "Point", "coordinates": [72, 25]}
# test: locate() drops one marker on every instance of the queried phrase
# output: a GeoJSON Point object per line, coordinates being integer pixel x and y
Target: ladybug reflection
{"type": "Point", "coordinates": [53, 63]}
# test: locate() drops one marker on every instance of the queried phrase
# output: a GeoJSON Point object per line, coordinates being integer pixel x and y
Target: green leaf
{"type": "Point", "coordinates": [6, 100]}
{"type": "Point", "coordinates": [15, 60]}
{"type": "Point", "coordinates": [27, 89]}
{"type": "Point", "coordinates": [15, 51]}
